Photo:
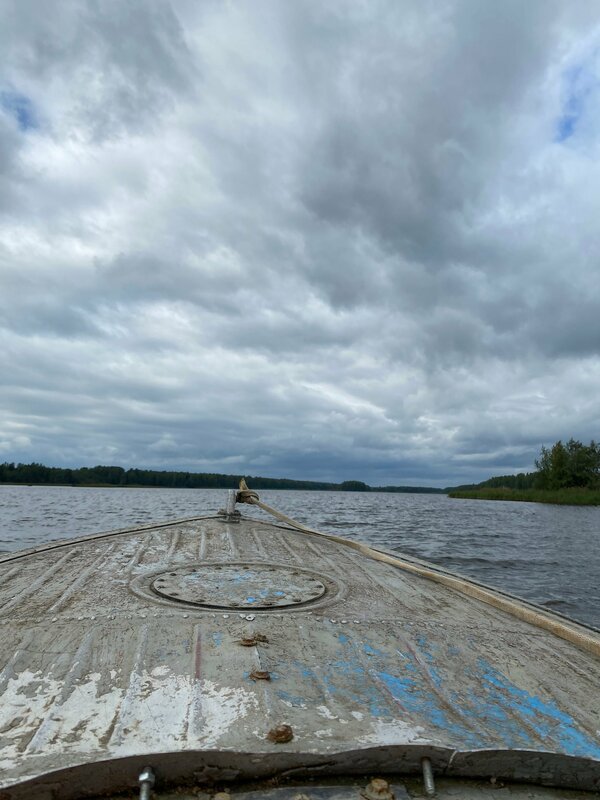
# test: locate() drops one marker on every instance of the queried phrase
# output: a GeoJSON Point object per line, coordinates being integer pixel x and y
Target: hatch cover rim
{"type": "Point", "coordinates": [142, 586]}
{"type": "Point", "coordinates": [239, 586]}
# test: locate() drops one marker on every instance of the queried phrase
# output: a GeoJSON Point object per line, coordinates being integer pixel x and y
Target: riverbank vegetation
{"type": "Point", "coordinates": [117, 476]}
{"type": "Point", "coordinates": [567, 474]}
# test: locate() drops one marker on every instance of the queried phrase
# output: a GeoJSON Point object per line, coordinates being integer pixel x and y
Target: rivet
{"type": "Point", "coordinates": [54, 619]}
{"type": "Point", "coordinates": [185, 616]}
{"type": "Point", "coordinates": [250, 617]}
{"type": "Point", "coordinates": [225, 616]}
{"type": "Point", "coordinates": [281, 734]}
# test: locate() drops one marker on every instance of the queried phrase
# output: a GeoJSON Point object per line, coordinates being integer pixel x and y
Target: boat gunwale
{"type": "Point", "coordinates": [533, 767]}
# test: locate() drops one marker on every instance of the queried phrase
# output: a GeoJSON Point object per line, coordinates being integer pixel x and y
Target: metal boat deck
{"type": "Point", "coordinates": [184, 645]}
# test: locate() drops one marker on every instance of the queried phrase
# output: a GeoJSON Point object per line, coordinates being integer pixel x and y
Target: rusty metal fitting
{"type": "Point", "coordinates": [281, 734]}
{"type": "Point", "coordinates": [255, 638]}
{"type": "Point", "coordinates": [260, 675]}
{"type": "Point", "coordinates": [378, 789]}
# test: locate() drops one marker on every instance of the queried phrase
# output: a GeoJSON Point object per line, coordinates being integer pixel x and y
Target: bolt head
{"type": "Point", "coordinates": [260, 675]}
{"type": "Point", "coordinates": [281, 734]}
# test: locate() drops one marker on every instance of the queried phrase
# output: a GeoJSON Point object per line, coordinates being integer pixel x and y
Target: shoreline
{"type": "Point", "coordinates": [561, 497]}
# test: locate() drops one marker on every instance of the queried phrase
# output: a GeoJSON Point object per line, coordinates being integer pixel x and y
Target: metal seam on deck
{"type": "Point", "coordinates": [70, 590]}
{"type": "Point", "coordinates": [133, 686]}
{"type": "Point", "coordinates": [39, 582]}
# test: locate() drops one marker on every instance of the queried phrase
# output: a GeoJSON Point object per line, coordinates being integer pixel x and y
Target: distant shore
{"type": "Point", "coordinates": [562, 497]}
{"type": "Point", "coordinates": [36, 474]}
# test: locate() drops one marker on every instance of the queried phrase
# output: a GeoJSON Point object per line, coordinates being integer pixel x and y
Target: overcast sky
{"type": "Point", "coordinates": [321, 240]}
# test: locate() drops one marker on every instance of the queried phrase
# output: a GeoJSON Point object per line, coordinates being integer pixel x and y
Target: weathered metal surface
{"type": "Point", "coordinates": [100, 676]}
{"type": "Point", "coordinates": [239, 586]}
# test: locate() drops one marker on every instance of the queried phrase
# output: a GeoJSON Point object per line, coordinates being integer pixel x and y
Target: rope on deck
{"type": "Point", "coordinates": [563, 630]}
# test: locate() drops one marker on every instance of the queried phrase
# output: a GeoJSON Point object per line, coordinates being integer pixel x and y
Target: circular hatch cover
{"type": "Point", "coordinates": [239, 586]}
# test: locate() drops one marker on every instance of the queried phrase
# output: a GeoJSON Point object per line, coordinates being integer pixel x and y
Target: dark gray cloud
{"type": "Point", "coordinates": [328, 240]}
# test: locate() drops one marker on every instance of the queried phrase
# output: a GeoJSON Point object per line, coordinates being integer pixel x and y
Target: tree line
{"type": "Point", "coordinates": [118, 476]}
{"type": "Point", "coordinates": [570, 464]}
{"type": "Point", "coordinates": [562, 466]}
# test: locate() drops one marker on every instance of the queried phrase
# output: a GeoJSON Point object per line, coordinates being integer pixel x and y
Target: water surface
{"type": "Point", "coordinates": [547, 554]}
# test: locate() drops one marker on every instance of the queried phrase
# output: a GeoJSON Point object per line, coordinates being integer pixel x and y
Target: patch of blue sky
{"type": "Point", "coordinates": [579, 81]}
{"type": "Point", "coordinates": [20, 108]}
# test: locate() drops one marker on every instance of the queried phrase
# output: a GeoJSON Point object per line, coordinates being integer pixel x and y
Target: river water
{"type": "Point", "coordinates": [547, 554]}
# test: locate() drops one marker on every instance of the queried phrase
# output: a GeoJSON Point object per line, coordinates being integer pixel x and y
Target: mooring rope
{"type": "Point", "coordinates": [581, 638]}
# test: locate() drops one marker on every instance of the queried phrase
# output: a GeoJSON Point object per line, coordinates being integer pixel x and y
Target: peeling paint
{"type": "Point", "coordinates": [395, 732]}
{"type": "Point", "coordinates": [324, 733]}
{"type": "Point", "coordinates": [223, 707]}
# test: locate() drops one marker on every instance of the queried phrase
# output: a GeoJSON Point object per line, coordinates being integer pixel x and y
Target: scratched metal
{"type": "Point", "coordinates": [98, 678]}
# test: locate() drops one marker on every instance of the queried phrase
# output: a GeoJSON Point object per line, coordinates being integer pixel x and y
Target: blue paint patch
{"type": "Point", "coordinates": [347, 681]}
{"type": "Point", "coordinates": [412, 697]}
{"type": "Point", "coordinates": [371, 651]}
{"type": "Point", "coordinates": [250, 600]}
{"type": "Point", "coordinates": [217, 638]}
{"type": "Point", "coordinates": [293, 699]}
{"type": "Point", "coordinates": [20, 108]}
{"type": "Point", "coordinates": [343, 638]}
{"type": "Point", "coordinates": [547, 720]}
{"type": "Point", "coordinates": [279, 593]}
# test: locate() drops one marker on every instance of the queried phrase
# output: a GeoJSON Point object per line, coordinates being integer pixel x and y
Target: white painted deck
{"type": "Point", "coordinates": [99, 675]}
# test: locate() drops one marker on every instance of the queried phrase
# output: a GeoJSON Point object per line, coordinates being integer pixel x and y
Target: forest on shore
{"type": "Point", "coordinates": [118, 476]}
{"type": "Point", "coordinates": [567, 474]}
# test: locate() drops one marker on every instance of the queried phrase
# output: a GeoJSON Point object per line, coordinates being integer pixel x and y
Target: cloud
{"type": "Point", "coordinates": [303, 239]}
